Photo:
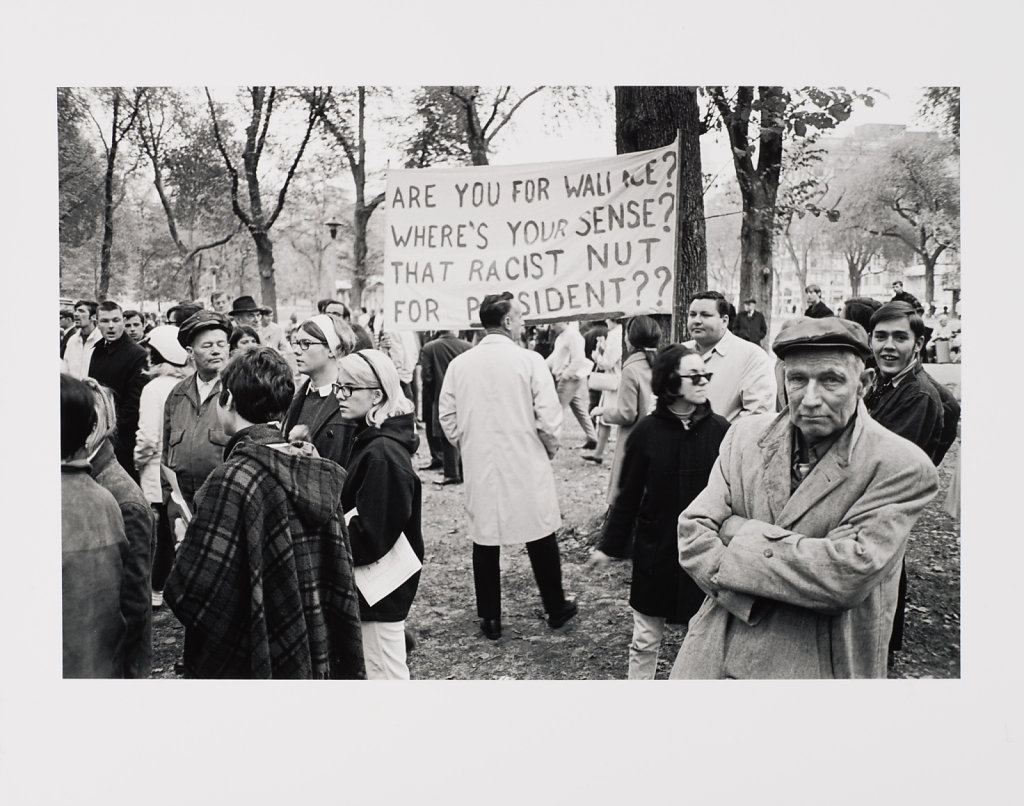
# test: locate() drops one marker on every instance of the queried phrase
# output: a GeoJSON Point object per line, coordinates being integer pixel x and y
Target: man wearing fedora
{"type": "Point", "coordinates": [245, 311]}
{"type": "Point", "coordinates": [798, 538]}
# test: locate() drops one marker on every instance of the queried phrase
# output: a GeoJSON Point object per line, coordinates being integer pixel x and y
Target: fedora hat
{"type": "Point", "coordinates": [244, 304]}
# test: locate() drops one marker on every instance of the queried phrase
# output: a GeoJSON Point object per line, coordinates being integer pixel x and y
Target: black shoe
{"type": "Point", "coordinates": [435, 464]}
{"type": "Point", "coordinates": [446, 481]}
{"type": "Point", "coordinates": [591, 458]}
{"type": "Point", "coordinates": [491, 628]}
{"type": "Point", "coordinates": [569, 609]}
{"type": "Point", "coordinates": [589, 445]}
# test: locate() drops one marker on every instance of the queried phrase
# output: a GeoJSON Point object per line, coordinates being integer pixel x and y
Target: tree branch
{"type": "Point", "coordinates": [227, 161]}
{"type": "Point", "coordinates": [266, 124]}
{"type": "Point", "coordinates": [512, 111]}
{"type": "Point", "coordinates": [212, 244]}
{"type": "Point", "coordinates": [310, 123]}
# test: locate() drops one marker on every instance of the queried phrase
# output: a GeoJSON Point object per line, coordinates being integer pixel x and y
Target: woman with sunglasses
{"type": "Point", "coordinates": [381, 499]}
{"type": "Point", "coordinates": [313, 415]}
{"type": "Point", "coordinates": [667, 463]}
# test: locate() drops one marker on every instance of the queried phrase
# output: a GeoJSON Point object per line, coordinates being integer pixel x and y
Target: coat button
{"type": "Point", "coordinates": [768, 552]}
{"type": "Point", "coordinates": [330, 433]}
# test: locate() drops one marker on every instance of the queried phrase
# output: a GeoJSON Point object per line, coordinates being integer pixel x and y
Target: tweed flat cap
{"type": "Point", "coordinates": [202, 320]}
{"type": "Point", "coordinates": [830, 331]}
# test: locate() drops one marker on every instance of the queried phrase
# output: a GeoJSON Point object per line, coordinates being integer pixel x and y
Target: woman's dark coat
{"type": "Point", "coordinates": [330, 434]}
{"type": "Point", "coordinates": [386, 491]}
{"type": "Point", "coordinates": [664, 468]}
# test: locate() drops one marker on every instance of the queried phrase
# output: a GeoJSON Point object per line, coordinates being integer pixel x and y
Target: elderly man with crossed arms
{"type": "Point", "coordinates": [798, 538]}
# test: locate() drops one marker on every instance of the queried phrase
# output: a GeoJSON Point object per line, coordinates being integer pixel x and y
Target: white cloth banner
{"type": "Point", "coordinates": [568, 239]}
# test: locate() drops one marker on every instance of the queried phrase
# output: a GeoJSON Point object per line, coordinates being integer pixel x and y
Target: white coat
{"type": "Point", "coordinates": [499, 406]}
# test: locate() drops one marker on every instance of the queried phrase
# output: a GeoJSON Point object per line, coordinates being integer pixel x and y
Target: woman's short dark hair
{"type": "Point", "coordinates": [240, 332]}
{"type": "Point", "coordinates": [77, 414]}
{"type": "Point", "coordinates": [260, 382]}
{"type": "Point", "coordinates": [664, 370]}
{"type": "Point", "coordinates": [859, 310]}
{"type": "Point", "coordinates": [643, 332]}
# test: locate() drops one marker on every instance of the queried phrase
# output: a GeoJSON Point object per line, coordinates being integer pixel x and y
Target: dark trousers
{"type": "Point", "coordinates": [547, 570]}
{"type": "Point", "coordinates": [435, 437]}
{"type": "Point", "coordinates": [163, 549]}
{"type": "Point", "coordinates": [896, 639]}
{"type": "Point", "coordinates": [407, 391]}
{"type": "Point", "coordinates": [452, 460]}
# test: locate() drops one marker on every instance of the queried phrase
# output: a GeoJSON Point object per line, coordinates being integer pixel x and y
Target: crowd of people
{"type": "Point", "coordinates": [258, 480]}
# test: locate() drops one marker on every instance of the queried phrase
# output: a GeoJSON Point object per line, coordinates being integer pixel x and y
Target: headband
{"type": "Point", "coordinates": [326, 324]}
{"type": "Point", "coordinates": [373, 369]}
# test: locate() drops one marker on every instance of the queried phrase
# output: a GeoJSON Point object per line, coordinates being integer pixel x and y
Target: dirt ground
{"type": "Point", "coordinates": [594, 644]}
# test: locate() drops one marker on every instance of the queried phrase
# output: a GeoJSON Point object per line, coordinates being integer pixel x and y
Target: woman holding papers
{"type": "Point", "coordinates": [381, 499]}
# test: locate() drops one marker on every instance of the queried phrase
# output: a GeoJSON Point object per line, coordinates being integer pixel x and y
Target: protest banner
{"type": "Point", "coordinates": [570, 240]}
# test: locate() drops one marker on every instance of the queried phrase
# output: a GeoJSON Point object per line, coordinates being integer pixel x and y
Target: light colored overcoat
{"type": "Point", "coordinates": [785, 600]}
{"type": "Point", "coordinates": [499, 406]}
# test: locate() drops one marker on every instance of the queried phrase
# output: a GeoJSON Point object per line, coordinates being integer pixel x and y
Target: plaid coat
{"type": "Point", "coordinates": [263, 580]}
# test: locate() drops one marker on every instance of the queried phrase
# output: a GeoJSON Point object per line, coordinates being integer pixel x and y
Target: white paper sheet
{"type": "Point", "coordinates": [378, 579]}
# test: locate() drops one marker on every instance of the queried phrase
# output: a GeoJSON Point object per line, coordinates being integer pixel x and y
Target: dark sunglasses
{"type": "Point", "coordinates": [696, 376]}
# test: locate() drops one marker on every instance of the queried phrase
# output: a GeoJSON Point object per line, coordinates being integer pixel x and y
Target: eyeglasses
{"type": "Point", "coordinates": [697, 376]}
{"type": "Point", "coordinates": [305, 344]}
{"type": "Point", "coordinates": [344, 391]}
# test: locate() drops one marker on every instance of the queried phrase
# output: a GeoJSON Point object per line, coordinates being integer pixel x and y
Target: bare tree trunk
{"type": "Point", "coordinates": [929, 276]}
{"type": "Point", "coordinates": [854, 271]}
{"type": "Point", "coordinates": [651, 117]}
{"type": "Point", "coordinates": [756, 243]}
{"type": "Point", "coordinates": [759, 185]}
{"type": "Point", "coordinates": [108, 203]}
{"type": "Point", "coordinates": [256, 220]}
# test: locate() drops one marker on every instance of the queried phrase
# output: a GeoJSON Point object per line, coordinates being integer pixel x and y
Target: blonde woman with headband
{"type": "Point", "coordinates": [313, 415]}
{"type": "Point", "coordinates": [381, 499]}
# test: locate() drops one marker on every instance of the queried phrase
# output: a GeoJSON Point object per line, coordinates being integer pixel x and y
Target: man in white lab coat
{"type": "Point", "coordinates": [499, 406]}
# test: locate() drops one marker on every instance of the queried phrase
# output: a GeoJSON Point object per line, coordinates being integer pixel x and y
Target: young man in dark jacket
{"type": "Point", "coordinates": [263, 580]}
{"type": "Point", "coordinates": [906, 401]}
{"type": "Point", "coordinates": [120, 364]}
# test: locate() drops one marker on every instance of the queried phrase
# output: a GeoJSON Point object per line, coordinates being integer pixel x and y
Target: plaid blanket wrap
{"type": "Point", "coordinates": [263, 580]}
